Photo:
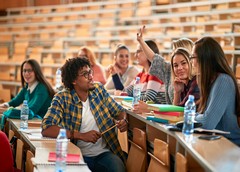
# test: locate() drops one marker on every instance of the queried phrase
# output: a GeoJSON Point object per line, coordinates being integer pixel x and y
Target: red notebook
{"type": "Point", "coordinates": [71, 158]}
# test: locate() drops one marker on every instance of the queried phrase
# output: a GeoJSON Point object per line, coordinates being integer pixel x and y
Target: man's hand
{"type": "Point", "coordinates": [91, 136]}
{"type": "Point", "coordinates": [122, 124]}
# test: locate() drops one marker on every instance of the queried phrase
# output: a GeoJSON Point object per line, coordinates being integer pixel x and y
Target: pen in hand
{"type": "Point", "coordinates": [108, 129]}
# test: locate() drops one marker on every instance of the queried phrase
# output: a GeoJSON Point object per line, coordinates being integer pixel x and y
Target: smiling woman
{"type": "Point", "coordinates": [183, 79]}
{"type": "Point", "coordinates": [177, 75]}
{"type": "Point", "coordinates": [120, 69]}
{"type": "Point", "coordinates": [35, 89]}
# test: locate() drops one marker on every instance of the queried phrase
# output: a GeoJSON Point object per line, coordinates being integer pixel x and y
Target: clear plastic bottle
{"type": "Point", "coordinates": [58, 81]}
{"type": "Point", "coordinates": [189, 115]}
{"type": "Point", "coordinates": [136, 91]}
{"type": "Point", "coordinates": [61, 151]}
{"type": "Point", "coordinates": [24, 115]}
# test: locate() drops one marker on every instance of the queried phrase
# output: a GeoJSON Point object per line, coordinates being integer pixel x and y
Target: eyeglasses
{"type": "Point", "coordinates": [191, 57]}
{"type": "Point", "coordinates": [27, 70]}
{"type": "Point", "coordinates": [87, 74]}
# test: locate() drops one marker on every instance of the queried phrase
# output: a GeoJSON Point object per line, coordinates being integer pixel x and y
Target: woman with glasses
{"type": "Point", "coordinates": [98, 69]}
{"type": "Point", "coordinates": [219, 106]}
{"type": "Point", "coordinates": [35, 89]}
{"type": "Point", "coordinates": [177, 76]}
{"type": "Point", "coordinates": [121, 69]}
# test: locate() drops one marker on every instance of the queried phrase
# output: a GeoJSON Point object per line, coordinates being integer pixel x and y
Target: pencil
{"type": "Point", "coordinates": [108, 129]}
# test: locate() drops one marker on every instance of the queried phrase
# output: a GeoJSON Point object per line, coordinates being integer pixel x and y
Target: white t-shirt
{"type": "Point", "coordinates": [89, 123]}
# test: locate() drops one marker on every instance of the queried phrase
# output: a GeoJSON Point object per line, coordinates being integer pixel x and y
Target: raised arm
{"type": "Point", "coordinates": [149, 53]}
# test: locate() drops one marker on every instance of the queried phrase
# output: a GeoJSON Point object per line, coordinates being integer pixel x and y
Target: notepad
{"type": "Point", "coordinates": [71, 158]}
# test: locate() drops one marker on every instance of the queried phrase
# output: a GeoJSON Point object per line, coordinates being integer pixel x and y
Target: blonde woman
{"type": "Point", "coordinates": [164, 70]}
{"type": "Point", "coordinates": [98, 69]}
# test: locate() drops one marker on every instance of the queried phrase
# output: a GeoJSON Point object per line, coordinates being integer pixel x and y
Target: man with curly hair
{"type": "Point", "coordinates": [86, 110]}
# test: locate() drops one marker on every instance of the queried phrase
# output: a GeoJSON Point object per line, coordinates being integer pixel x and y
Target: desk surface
{"type": "Point", "coordinates": [217, 155]}
{"type": "Point", "coordinates": [214, 155]}
{"type": "Point", "coordinates": [42, 149]}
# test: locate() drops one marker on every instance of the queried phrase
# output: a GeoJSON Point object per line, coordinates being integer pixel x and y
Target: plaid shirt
{"type": "Point", "coordinates": [66, 112]}
{"type": "Point", "coordinates": [190, 89]}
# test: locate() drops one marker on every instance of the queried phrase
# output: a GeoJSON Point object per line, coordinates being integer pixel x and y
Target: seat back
{"type": "Point", "coordinates": [160, 158]}
{"type": "Point", "coordinates": [10, 134]}
{"type": "Point", "coordinates": [181, 163]}
{"type": "Point", "coordinates": [19, 154]}
{"type": "Point", "coordinates": [28, 163]}
{"type": "Point", "coordinates": [137, 156]}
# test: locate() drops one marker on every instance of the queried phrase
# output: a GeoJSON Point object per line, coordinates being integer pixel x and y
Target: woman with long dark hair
{"type": "Point", "coordinates": [219, 106]}
{"type": "Point", "coordinates": [35, 89]}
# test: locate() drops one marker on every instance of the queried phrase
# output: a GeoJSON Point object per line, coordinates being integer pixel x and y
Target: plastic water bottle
{"type": "Point", "coordinates": [189, 115]}
{"type": "Point", "coordinates": [24, 115]}
{"type": "Point", "coordinates": [61, 151]}
{"type": "Point", "coordinates": [136, 91]}
{"type": "Point", "coordinates": [58, 81]}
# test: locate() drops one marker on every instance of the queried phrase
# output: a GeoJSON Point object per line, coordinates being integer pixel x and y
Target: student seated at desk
{"type": "Point", "coordinates": [219, 106]}
{"type": "Point", "coordinates": [120, 69]}
{"type": "Point", "coordinates": [178, 76]}
{"type": "Point", "coordinates": [35, 89]}
{"type": "Point", "coordinates": [86, 110]}
{"type": "Point", "coordinates": [152, 88]}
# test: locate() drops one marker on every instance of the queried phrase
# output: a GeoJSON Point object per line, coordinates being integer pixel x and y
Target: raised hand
{"type": "Point", "coordinates": [140, 34]}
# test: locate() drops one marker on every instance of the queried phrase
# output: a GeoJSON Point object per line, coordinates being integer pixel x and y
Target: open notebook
{"type": "Point", "coordinates": [72, 159]}
{"type": "Point", "coordinates": [35, 134]}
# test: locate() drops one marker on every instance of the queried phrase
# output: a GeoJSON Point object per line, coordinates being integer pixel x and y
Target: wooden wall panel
{"type": "Point", "coordinates": [12, 3]}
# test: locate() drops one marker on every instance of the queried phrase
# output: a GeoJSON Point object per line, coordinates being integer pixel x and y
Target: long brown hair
{"type": "Point", "coordinates": [89, 54]}
{"type": "Point", "coordinates": [185, 53]}
{"type": "Point", "coordinates": [212, 61]}
{"type": "Point", "coordinates": [38, 74]}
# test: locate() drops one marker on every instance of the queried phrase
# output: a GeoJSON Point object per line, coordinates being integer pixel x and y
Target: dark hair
{"type": "Point", "coordinates": [120, 47]}
{"type": "Point", "coordinates": [153, 46]}
{"type": "Point", "coordinates": [212, 61]}
{"type": "Point", "coordinates": [70, 70]}
{"type": "Point", "coordinates": [38, 74]}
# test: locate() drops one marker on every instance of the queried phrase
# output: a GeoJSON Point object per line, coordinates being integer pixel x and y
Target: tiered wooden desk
{"type": "Point", "coordinates": [41, 149]}
{"type": "Point", "coordinates": [218, 155]}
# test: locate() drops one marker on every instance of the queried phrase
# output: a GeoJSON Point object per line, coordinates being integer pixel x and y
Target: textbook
{"type": "Point", "coordinates": [155, 119]}
{"type": "Point", "coordinates": [165, 108]}
{"type": "Point", "coordinates": [123, 98]}
{"type": "Point", "coordinates": [168, 118]}
{"type": "Point", "coordinates": [178, 114]}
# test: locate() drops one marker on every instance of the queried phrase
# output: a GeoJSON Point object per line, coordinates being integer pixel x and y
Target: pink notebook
{"type": "Point", "coordinates": [71, 158]}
